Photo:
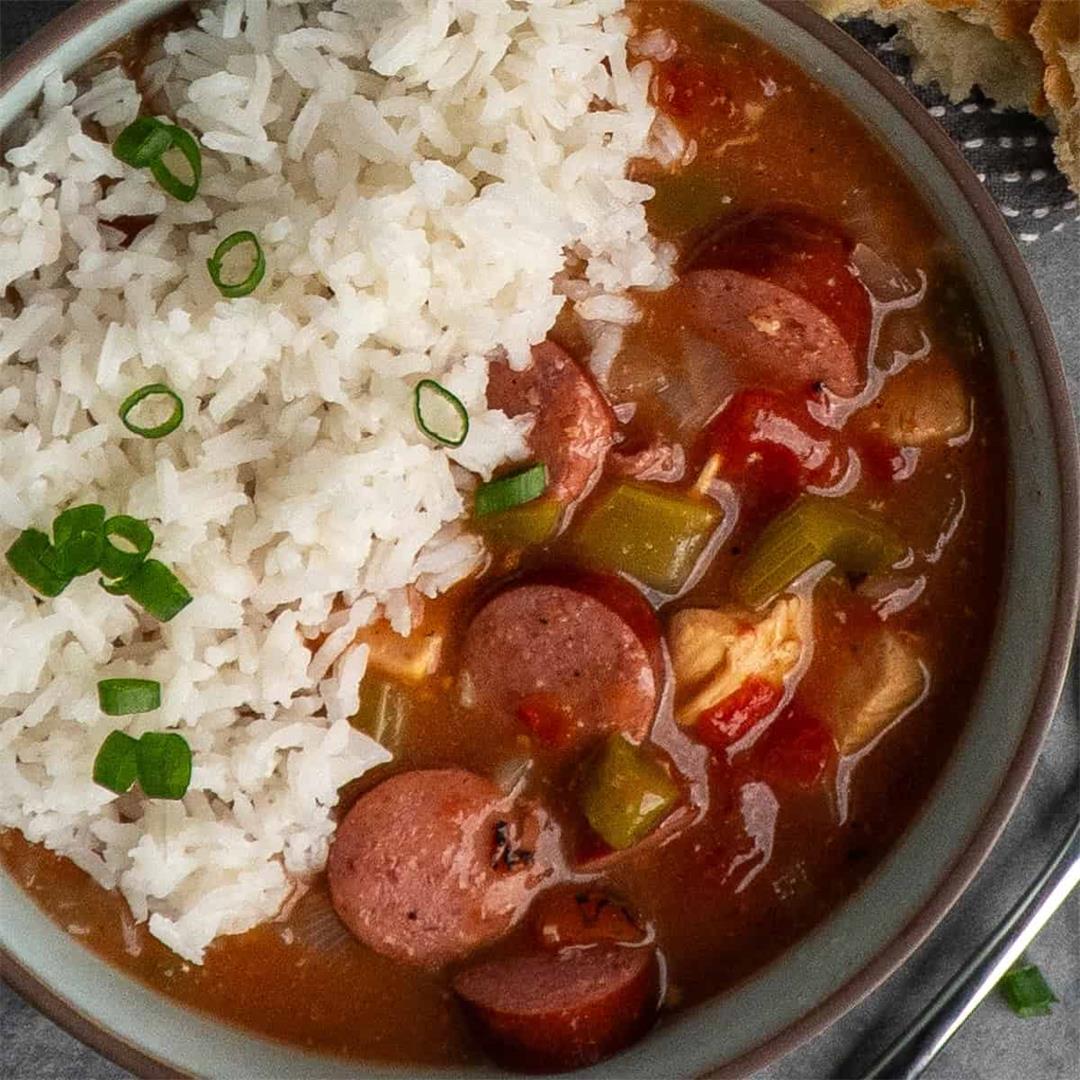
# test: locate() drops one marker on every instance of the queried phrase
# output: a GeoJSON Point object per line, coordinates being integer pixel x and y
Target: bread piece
{"type": "Point", "coordinates": [1056, 30]}
{"type": "Point", "coordinates": [953, 43]}
{"type": "Point", "coordinates": [1022, 53]}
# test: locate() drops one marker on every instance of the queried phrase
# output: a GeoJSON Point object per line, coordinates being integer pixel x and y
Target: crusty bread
{"type": "Point", "coordinates": [1022, 53]}
{"type": "Point", "coordinates": [1056, 30]}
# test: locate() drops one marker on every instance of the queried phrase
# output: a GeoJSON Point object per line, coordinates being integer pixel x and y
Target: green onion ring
{"type": "Point", "coordinates": [79, 537]}
{"type": "Point", "coordinates": [160, 430]}
{"type": "Point", "coordinates": [164, 760]}
{"type": "Point", "coordinates": [1026, 990]}
{"type": "Point", "coordinates": [142, 142]}
{"type": "Point", "coordinates": [117, 763]}
{"type": "Point", "coordinates": [232, 290]}
{"type": "Point", "coordinates": [33, 557]}
{"type": "Point", "coordinates": [166, 178]}
{"type": "Point", "coordinates": [514, 489]}
{"type": "Point", "coordinates": [125, 697]}
{"type": "Point", "coordinates": [115, 561]}
{"type": "Point", "coordinates": [155, 588]}
{"type": "Point", "coordinates": [449, 430]}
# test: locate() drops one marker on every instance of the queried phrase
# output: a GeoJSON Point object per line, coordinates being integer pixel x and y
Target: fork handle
{"type": "Point", "coordinates": [909, 1055]}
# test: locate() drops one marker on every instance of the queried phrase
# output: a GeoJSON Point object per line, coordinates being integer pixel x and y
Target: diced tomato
{"type": "Point", "coordinates": [883, 461]}
{"type": "Point", "coordinates": [720, 98]}
{"type": "Point", "coordinates": [797, 251]}
{"type": "Point", "coordinates": [796, 750]}
{"type": "Point", "coordinates": [772, 447]}
{"type": "Point", "coordinates": [730, 719]}
{"type": "Point", "coordinates": [582, 916]}
{"type": "Point", "coordinates": [547, 720]}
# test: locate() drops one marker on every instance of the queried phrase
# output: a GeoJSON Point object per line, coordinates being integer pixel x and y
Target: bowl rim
{"type": "Point", "coordinates": [967, 862]}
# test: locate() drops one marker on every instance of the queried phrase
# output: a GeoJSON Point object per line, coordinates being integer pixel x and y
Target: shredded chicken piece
{"type": "Point", "coordinates": [925, 404]}
{"type": "Point", "coordinates": [884, 678]}
{"type": "Point", "coordinates": [714, 651]}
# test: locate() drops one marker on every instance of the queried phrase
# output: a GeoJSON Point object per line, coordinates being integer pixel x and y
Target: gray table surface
{"type": "Point", "coordinates": [993, 1045]}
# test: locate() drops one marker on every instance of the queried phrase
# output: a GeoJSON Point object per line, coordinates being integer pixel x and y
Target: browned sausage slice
{"type": "Point", "coordinates": [562, 1010]}
{"type": "Point", "coordinates": [778, 337]}
{"type": "Point", "coordinates": [574, 426]}
{"type": "Point", "coordinates": [565, 664]}
{"type": "Point", "coordinates": [431, 864]}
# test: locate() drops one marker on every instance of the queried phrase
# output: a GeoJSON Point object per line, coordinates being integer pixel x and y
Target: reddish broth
{"type": "Point", "coordinates": [789, 832]}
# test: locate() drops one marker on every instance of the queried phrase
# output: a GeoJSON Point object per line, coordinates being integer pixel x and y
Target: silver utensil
{"type": "Point", "coordinates": [909, 1055]}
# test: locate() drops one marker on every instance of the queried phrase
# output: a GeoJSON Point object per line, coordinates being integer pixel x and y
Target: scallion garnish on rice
{"type": "Point", "coordinates": [439, 414]}
{"type": "Point", "coordinates": [514, 489]}
{"type": "Point", "coordinates": [116, 561]}
{"type": "Point", "coordinates": [125, 697]}
{"type": "Point", "coordinates": [234, 289]}
{"type": "Point", "coordinates": [35, 560]}
{"type": "Point", "coordinates": [164, 760]}
{"type": "Point", "coordinates": [167, 179]}
{"type": "Point", "coordinates": [159, 760]}
{"type": "Point", "coordinates": [79, 538]}
{"type": "Point", "coordinates": [155, 431]}
{"type": "Point", "coordinates": [83, 541]}
{"type": "Point", "coordinates": [117, 763]}
{"type": "Point", "coordinates": [155, 588]}
{"type": "Point", "coordinates": [144, 143]}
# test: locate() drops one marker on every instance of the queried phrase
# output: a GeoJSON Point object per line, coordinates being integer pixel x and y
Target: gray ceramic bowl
{"type": "Point", "coordinates": [843, 959]}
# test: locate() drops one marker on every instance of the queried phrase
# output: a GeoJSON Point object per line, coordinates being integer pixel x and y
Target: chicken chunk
{"type": "Point", "coordinates": [408, 659]}
{"type": "Point", "coordinates": [883, 678]}
{"type": "Point", "coordinates": [714, 652]}
{"type": "Point", "coordinates": [923, 405]}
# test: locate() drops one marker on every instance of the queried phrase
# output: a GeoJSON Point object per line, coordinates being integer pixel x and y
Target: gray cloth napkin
{"type": "Point", "coordinates": [1011, 151]}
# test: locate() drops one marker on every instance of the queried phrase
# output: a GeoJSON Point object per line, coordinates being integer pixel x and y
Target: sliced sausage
{"type": "Point", "coordinates": [778, 338]}
{"type": "Point", "coordinates": [569, 664]}
{"type": "Point", "coordinates": [796, 251]}
{"type": "Point", "coordinates": [562, 1010]}
{"type": "Point", "coordinates": [431, 864]}
{"type": "Point", "coordinates": [574, 426]}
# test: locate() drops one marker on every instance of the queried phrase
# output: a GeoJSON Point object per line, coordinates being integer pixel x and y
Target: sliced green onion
{"type": "Point", "coordinates": [155, 588]}
{"type": "Point", "coordinates": [164, 760]}
{"type": "Point", "coordinates": [158, 431]}
{"type": "Point", "coordinates": [117, 764]}
{"type": "Point", "coordinates": [125, 697]}
{"type": "Point", "coordinates": [234, 289]}
{"type": "Point", "coordinates": [1026, 991]}
{"type": "Point", "coordinates": [514, 489]}
{"type": "Point", "coordinates": [79, 537]}
{"type": "Point", "coordinates": [118, 562]}
{"type": "Point", "coordinates": [166, 178]}
{"type": "Point", "coordinates": [142, 142]}
{"type": "Point", "coordinates": [36, 561]}
{"type": "Point", "coordinates": [439, 414]}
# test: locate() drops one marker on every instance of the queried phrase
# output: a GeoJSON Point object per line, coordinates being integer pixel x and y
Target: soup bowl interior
{"type": "Point", "coordinates": [843, 958]}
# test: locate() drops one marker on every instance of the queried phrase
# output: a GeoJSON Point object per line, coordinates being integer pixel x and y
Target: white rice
{"type": "Point", "coordinates": [418, 172]}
